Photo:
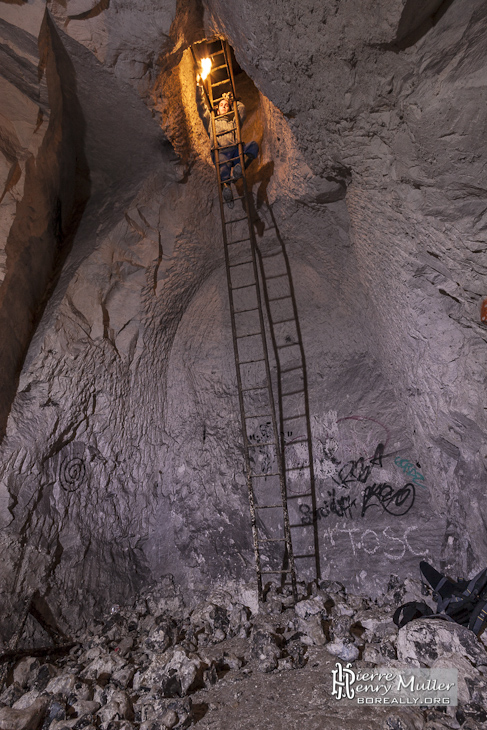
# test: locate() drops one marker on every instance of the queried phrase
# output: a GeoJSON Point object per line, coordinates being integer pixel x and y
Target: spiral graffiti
{"type": "Point", "coordinates": [72, 473]}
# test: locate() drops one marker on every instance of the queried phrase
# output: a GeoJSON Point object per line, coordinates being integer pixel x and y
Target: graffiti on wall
{"type": "Point", "coordinates": [70, 467]}
{"type": "Point", "coordinates": [72, 473]}
{"type": "Point", "coordinates": [351, 487]}
{"type": "Point", "coordinates": [410, 470]}
{"type": "Point", "coordinates": [396, 501]}
{"type": "Point", "coordinates": [393, 543]}
{"type": "Point", "coordinates": [260, 453]}
{"type": "Point", "coordinates": [373, 485]}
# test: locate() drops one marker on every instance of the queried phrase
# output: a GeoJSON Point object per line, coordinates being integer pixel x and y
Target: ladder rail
{"type": "Point", "coordinates": [263, 343]}
{"type": "Point", "coordinates": [281, 371]}
{"type": "Point", "coordinates": [254, 250]}
{"type": "Point", "coordinates": [228, 61]}
{"type": "Point", "coordinates": [251, 496]}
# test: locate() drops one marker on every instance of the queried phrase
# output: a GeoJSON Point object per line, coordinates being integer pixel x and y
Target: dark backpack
{"type": "Point", "coordinates": [464, 602]}
{"type": "Point", "coordinates": [409, 611]}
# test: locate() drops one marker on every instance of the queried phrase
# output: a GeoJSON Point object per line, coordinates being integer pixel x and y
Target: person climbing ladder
{"type": "Point", "coordinates": [226, 135]}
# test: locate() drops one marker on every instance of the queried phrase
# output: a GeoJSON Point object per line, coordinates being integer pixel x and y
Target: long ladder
{"type": "Point", "coordinates": [264, 461]}
{"type": "Point", "coordinates": [292, 395]}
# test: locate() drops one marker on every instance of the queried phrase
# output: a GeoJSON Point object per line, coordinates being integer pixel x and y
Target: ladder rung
{"type": "Point", "coordinates": [241, 311]}
{"type": "Point", "coordinates": [299, 496]}
{"type": "Point", "coordinates": [237, 220]}
{"type": "Point", "coordinates": [252, 334]}
{"type": "Point", "coordinates": [271, 539]}
{"type": "Point", "coordinates": [293, 418]}
{"type": "Point", "coordinates": [268, 506]}
{"type": "Point", "coordinates": [261, 387]}
{"type": "Point", "coordinates": [294, 367]}
{"type": "Point", "coordinates": [264, 443]}
{"type": "Point", "coordinates": [259, 415]}
{"type": "Point", "coordinates": [271, 255]}
{"type": "Point", "coordinates": [269, 474]}
{"type": "Point", "coordinates": [275, 572]}
{"type": "Point", "coordinates": [275, 276]}
{"type": "Point", "coordinates": [220, 83]}
{"type": "Point", "coordinates": [245, 286]}
{"type": "Point", "coordinates": [218, 53]}
{"type": "Point", "coordinates": [293, 392]}
{"type": "Point", "coordinates": [278, 299]}
{"type": "Point", "coordinates": [247, 362]}
{"type": "Point", "coordinates": [242, 263]}
{"type": "Point", "coordinates": [240, 240]}
{"type": "Point", "coordinates": [311, 555]}
{"type": "Point", "coordinates": [217, 68]}
{"type": "Point", "coordinates": [297, 441]}
{"type": "Point", "coordinates": [299, 524]}
{"type": "Point", "coordinates": [283, 321]}
{"type": "Point", "coordinates": [221, 134]}
{"type": "Point", "coordinates": [288, 344]}
{"type": "Point", "coordinates": [297, 468]}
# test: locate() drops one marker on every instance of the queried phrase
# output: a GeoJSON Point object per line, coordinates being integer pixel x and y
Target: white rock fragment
{"type": "Point", "coordinates": [310, 606]}
{"type": "Point", "coordinates": [340, 648]}
{"type": "Point", "coordinates": [422, 641]}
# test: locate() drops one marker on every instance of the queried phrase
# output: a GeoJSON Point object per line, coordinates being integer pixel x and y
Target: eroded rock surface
{"type": "Point", "coordinates": [122, 457]}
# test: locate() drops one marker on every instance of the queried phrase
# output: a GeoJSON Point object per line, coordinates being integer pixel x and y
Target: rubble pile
{"type": "Point", "coordinates": [153, 665]}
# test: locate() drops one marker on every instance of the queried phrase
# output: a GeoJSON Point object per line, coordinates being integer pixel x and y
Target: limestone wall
{"type": "Point", "coordinates": [122, 459]}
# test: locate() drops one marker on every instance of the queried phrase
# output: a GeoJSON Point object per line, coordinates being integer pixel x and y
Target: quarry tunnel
{"type": "Point", "coordinates": [121, 458]}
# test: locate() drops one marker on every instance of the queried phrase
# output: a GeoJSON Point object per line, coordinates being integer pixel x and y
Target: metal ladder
{"type": "Point", "coordinates": [292, 395]}
{"type": "Point", "coordinates": [264, 461]}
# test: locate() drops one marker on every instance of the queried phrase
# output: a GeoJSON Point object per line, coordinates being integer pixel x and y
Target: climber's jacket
{"type": "Point", "coordinates": [222, 124]}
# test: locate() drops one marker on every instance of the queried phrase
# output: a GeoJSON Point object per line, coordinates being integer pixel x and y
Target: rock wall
{"type": "Point", "coordinates": [122, 459]}
{"type": "Point", "coordinates": [44, 180]}
{"type": "Point", "coordinates": [400, 121]}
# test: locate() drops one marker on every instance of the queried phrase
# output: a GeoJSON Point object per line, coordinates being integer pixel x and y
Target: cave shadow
{"type": "Point", "coordinates": [188, 23]}
{"type": "Point", "coordinates": [200, 710]}
{"type": "Point", "coordinates": [121, 151]}
{"type": "Point", "coordinates": [93, 12]}
{"type": "Point", "coordinates": [73, 120]}
{"type": "Point", "coordinates": [40, 256]}
{"type": "Point", "coordinates": [260, 177]}
{"type": "Point", "coordinates": [417, 19]}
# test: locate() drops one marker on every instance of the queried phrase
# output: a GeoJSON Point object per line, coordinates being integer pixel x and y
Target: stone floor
{"type": "Point", "coordinates": [286, 700]}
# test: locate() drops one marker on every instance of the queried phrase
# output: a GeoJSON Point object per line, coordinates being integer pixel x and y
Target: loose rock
{"type": "Point", "coordinates": [30, 718]}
